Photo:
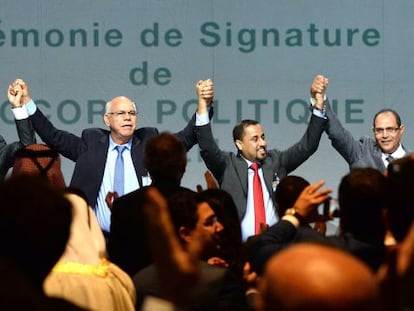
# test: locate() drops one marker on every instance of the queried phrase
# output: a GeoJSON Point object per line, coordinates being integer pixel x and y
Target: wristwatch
{"type": "Point", "coordinates": [293, 212]}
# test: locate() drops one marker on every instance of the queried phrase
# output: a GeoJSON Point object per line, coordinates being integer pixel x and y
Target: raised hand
{"type": "Point", "coordinates": [309, 199]}
{"type": "Point", "coordinates": [14, 94]}
{"type": "Point", "coordinates": [318, 90]}
{"type": "Point", "coordinates": [18, 93]}
{"type": "Point", "coordinates": [205, 93]}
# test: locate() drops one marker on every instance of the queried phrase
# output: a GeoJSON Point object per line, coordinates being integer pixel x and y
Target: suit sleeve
{"type": "Point", "coordinates": [188, 134]}
{"type": "Point", "coordinates": [306, 146]}
{"type": "Point", "coordinates": [69, 145]}
{"type": "Point", "coordinates": [263, 246]}
{"type": "Point", "coordinates": [212, 156]}
{"type": "Point", "coordinates": [7, 152]}
{"type": "Point", "coordinates": [26, 137]}
{"type": "Point", "coordinates": [25, 132]}
{"type": "Point", "coordinates": [341, 139]}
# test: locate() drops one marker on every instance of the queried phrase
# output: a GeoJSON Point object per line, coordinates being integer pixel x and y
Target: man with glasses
{"type": "Point", "coordinates": [374, 152]}
{"type": "Point", "coordinates": [193, 222]}
{"type": "Point", "coordinates": [108, 162]}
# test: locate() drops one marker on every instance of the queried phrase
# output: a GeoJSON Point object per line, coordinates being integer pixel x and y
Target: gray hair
{"type": "Point", "coordinates": [109, 104]}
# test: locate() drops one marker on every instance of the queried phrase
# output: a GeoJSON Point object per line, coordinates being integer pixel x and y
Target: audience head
{"type": "Point", "coordinates": [287, 192]}
{"type": "Point", "coordinates": [388, 130]}
{"type": "Point", "coordinates": [400, 196]}
{"type": "Point", "coordinates": [250, 140]}
{"type": "Point", "coordinates": [222, 204]}
{"type": "Point", "coordinates": [39, 160]}
{"type": "Point", "coordinates": [121, 117]}
{"type": "Point", "coordinates": [35, 223]}
{"type": "Point", "coordinates": [362, 202]}
{"type": "Point", "coordinates": [194, 220]}
{"type": "Point", "coordinates": [165, 158]}
{"type": "Point", "coordinates": [317, 277]}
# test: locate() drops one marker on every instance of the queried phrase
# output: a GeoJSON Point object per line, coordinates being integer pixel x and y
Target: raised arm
{"type": "Point", "coordinates": [24, 126]}
{"type": "Point", "coordinates": [308, 144]}
{"type": "Point", "coordinates": [201, 117]}
{"type": "Point", "coordinates": [24, 130]}
{"type": "Point", "coordinates": [210, 152]}
{"type": "Point", "coordinates": [69, 145]}
{"type": "Point", "coordinates": [341, 139]}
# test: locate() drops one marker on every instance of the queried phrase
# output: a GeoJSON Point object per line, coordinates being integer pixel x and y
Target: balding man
{"type": "Point", "coordinates": [307, 277]}
{"type": "Point", "coordinates": [103, 156]}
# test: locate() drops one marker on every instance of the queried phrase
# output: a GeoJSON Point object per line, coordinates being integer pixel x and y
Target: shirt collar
{"type": "Point", "coordinates": [250, 162]}
{"type": "Point", "coordinates": [112, 144]}
{"type": "Point", "coordinates": [397, 154]}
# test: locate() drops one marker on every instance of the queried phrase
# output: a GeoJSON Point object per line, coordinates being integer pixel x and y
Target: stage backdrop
{"type": "Point", "coordinates": [262, 56]}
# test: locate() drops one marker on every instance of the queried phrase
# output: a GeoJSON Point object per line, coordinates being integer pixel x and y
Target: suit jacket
{"type": "Point", "coordinates": [26, 137]}
{"type": "Point", "coordinates": [230, 169]}
{"type": "Point", "coordinates": [128, 243]}
{"type": "Point", "coordinates": [90, 151]}
{"type": "Point", "coordinates": [357, 153]}
{"type": "Point", "coordinates": [218, 289]}
{"type": "Point", "coordinates": [283, 234]}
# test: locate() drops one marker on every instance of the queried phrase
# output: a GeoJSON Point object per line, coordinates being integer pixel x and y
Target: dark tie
{"type": "Point", "coordinates": [259, 208]}
{"type": "Point", "coordinates": [389, 158]}
{"type": "Point", "coordinates": [119, 171]}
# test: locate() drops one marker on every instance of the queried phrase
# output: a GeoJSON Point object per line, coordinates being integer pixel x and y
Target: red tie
{"type": "Point", "coordinates": [259, 209]}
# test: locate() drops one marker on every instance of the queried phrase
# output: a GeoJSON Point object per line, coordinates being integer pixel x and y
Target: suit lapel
{"type": "Point", "coordinates": [268, 175]}
{"type": "Point", "coordinates": [241, 170]}
{"type": "Point", "coordinates": [100, 154]}
{"type": "Point", "coordinates": [378, 158]}
{"type": "Point", "coordinates": [137, 152]}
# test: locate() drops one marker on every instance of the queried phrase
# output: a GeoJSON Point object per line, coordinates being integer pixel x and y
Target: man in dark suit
{"type": "Point", "coordinates": [374, 152]}
{"type": "Point", "coordinates": [232, 170]}
{"type": "Point", "coordinates": [96, 151]}
{"type": "Point", "coordinates": [24, 130]}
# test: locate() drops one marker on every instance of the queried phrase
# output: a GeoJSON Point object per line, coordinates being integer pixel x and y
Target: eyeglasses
{"type": "Point", "coordinates": [380, 130]}
{"type": "Point", "coordinates": [122, 113]}
{"type": "Point", "coordinates": [211, 221]}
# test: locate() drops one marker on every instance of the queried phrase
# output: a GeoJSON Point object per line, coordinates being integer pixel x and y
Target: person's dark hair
{"type": "Point", "coordinates": [221, 202]}
{"type": "Point", "coordinates": [238, 130]}
{"type": "Point", "coordinates": [287, 192]}
{"type": "Point", "coordinates": [400, 196]}
{"type": "Point", "coordinates": [387, 110]}
{"type": "Point", "coordinates": [35, 221]}
{"type": "Point", "coordinates": [165, 157]}
{"type": "Point", "coordinates": [183, 210]}
{"type": "Point", "coordinates": [362, 201]}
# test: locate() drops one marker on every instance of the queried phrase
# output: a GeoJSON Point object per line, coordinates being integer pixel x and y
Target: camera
{"type": "Point", "coordinates": [330, 208]}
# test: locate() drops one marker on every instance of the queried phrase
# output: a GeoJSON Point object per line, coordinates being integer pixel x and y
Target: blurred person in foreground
{"type": "Point", "coordinates": [83, 275]}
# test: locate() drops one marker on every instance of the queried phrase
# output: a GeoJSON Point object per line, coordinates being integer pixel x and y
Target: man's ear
{"type": "Point", "coordinates": [402, 128]}
{"type": "Point", "coordinates": [239, 144]}
{"type": "Point", "coordinates": [106, 119]}
{"type": "Point", "coordinates": [185, 234]}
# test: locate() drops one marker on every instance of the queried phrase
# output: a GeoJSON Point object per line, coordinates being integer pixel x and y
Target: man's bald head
{"type": "Point", "coordinates": [317, 277]}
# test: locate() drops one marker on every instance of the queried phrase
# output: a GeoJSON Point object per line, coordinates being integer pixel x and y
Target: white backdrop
{"type": "Point", "coordinates": [262, 56]}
